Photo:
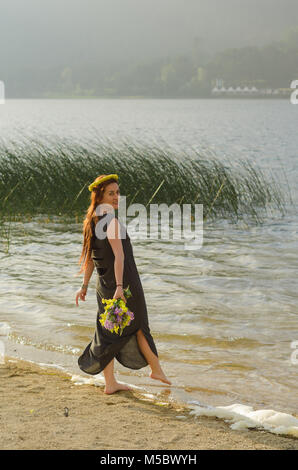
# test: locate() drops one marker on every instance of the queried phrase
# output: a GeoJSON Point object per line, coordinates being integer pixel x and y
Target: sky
{"type": "Point", "coordinates": [46, 33]}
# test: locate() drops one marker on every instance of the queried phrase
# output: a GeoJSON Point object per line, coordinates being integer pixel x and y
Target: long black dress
{"type": "Point", "coordinates": [106, 345]}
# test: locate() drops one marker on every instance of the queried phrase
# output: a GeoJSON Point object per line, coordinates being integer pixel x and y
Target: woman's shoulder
{"type": "Point", "coordinates": [105, 226]}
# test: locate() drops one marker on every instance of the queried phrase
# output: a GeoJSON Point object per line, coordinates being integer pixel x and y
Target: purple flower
{"type": "Point", "coordinates": [118, 310]}
{"type": "Point", "coordinates": [108, 325]}
{"type": "Point", "coordinates": [116, 316]}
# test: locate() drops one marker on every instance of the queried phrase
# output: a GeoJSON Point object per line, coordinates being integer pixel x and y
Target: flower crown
{"type": "Point", "coordinates": [101, 180]}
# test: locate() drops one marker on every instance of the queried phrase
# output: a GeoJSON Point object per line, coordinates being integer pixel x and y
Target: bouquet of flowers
{"type": "Point", "coordinates": [116, 315]}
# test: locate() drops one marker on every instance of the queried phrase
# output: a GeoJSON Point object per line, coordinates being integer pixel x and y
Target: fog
{"type": "Point", "coordinates": [46, 33]}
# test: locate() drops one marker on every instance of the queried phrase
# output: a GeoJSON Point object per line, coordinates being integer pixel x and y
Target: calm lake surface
{"type": "Point", "coordinates": [223, 317]}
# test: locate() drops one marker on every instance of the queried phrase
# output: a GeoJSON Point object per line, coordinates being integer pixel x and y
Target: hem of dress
{"type": "Point", "coordinates": [115, 357]}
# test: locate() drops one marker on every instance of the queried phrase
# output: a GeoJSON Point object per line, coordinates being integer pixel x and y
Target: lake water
{"type": "Point", "coordinates": [224, 318]}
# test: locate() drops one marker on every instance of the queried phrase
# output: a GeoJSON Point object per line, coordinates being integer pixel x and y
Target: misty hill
{"type": "Point", "coordinates": [142, 47]}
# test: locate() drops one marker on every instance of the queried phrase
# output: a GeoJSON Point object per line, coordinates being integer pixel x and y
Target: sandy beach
{"type": "Point", "coordinates": [33, 401]}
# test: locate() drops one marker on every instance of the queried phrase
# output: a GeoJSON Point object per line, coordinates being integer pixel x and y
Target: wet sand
{"type": "Point", "coordinates": [32, 411]}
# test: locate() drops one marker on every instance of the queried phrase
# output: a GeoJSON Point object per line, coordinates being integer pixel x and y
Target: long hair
{"type": "Point", "coordinates": [90, 221]}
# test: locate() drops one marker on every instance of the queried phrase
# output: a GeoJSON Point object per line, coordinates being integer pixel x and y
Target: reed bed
{"type": "Point", "coordinates": [51, 176]}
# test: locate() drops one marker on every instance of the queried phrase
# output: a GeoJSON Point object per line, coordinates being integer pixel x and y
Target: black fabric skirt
{"type": "Point", "coordinates": [106, 345]}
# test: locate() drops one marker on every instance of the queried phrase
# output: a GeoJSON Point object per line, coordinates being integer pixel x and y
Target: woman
{"type": "Point", "coordinates": [113, 258]}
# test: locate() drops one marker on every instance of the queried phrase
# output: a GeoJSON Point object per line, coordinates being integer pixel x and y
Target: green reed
{"type": "Point", "coordinates": [5, 233]}
{"type": "Point", "coordinates": [51, 176]}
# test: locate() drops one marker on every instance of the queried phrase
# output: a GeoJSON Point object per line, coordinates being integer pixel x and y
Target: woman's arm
{"type": "Point", "coordinates": [81, 293]}
{"type": "Point", "coordinates": [113, 234]}
{"type": "Point", "coordinates": [88, 272]}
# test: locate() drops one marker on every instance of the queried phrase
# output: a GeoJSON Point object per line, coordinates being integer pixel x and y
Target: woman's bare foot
{"type": "Point", "coordinates": [160, 376]}
{"type": "Point", "coordinates": [115, 387]}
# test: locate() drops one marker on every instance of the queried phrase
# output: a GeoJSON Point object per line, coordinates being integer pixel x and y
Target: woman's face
{"type": "Point", "coordinates": [111, 195]}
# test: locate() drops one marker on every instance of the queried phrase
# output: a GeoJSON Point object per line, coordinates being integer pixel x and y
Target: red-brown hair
{"type": "Point", "coordinates": [91, 219]}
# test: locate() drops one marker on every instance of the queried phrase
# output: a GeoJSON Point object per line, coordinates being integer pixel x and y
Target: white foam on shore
{"type": "Point", "coordinates": [244, 417]}
{"type": "Point", "coordinates": [55, 366]}
{"type": "Point", "coordinates": [239, 416]}
{"type": "Point", "coordinates": [96, 380]}
{"type": "Point", "coordinates": [4, 328]}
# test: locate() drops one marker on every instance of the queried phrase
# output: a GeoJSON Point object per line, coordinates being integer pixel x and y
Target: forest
{"type": "Point", "coordinates": [274, 65]}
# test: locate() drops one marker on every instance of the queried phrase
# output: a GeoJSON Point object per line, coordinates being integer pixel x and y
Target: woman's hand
{"type": "Point", "coordinates": [119, 293]}
{"type": "Point", "coordinates": [81, 294]}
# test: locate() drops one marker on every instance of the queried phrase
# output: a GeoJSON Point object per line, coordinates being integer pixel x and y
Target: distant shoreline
{"type": "Point", "coordinates": [64, 97]}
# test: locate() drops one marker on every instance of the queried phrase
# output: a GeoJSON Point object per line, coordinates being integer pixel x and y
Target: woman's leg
{"type": "Point", "coordinates": [152, 359]}
{"type": "Point", "coordinates": [112, 385]}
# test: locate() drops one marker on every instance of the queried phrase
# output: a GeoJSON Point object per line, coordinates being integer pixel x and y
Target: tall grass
{"type": "Point", "coordinates": [52, 176]}
{"type": "Point", "coordinates": [5, 233]}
